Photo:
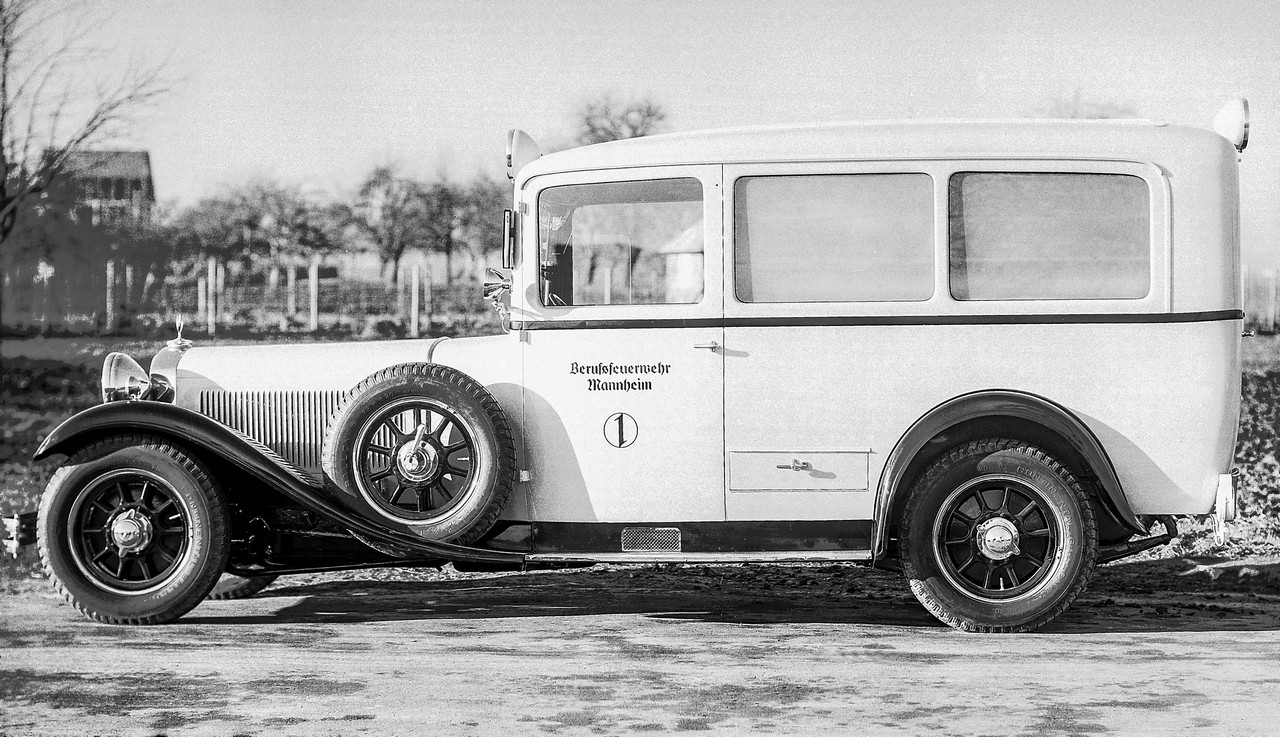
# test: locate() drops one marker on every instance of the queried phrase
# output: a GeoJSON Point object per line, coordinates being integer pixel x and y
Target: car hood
{"type": "Point", "coordinates": [332, 366]}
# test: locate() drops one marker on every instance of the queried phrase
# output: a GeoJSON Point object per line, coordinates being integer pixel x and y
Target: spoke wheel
{"type": "Point", "coordinates": [997, 536]}
{"type": "Point", "coordinates": [410, 474]}
{"type": "Point", "coordinates": [424, 449]}
{"type": "Point", "coordinates": [129, 530]}
{"type": "Point", "coordinates": [133, 530]}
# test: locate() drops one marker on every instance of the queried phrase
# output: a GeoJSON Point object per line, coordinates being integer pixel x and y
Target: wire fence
{"type": "Point", "coordinates": [119, 299]}
{"type": "Point", "coordinates": [97, 298]}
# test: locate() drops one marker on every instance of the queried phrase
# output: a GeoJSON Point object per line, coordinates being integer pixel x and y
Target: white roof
{"type": "Point", "coordinates": [1136, 140]}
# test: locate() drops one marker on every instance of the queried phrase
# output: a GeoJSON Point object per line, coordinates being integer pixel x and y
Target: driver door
{"type": "Point", "coordinates": [623, 376]}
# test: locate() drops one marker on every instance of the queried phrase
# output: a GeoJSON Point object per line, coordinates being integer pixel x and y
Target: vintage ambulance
{"type": "Point", "coordinates": [990, 355]}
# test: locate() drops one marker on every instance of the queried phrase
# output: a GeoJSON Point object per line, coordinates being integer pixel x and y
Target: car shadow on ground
{"type": "Point", "coordinates": [1147, 596]}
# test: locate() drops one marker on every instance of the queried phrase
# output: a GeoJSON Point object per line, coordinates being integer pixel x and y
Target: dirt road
{"type": "Point", "coordinates": [816, 650]}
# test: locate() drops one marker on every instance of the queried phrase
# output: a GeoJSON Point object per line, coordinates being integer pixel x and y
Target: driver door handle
{"type": "Point", "coordinates": [711, 346]}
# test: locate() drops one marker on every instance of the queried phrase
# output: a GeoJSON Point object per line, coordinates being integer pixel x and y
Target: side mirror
{"type": "Point", "coordinates": [508, 239]}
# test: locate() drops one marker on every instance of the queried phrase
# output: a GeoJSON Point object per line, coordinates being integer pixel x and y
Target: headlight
{"type": "Point", "coordinates": [124, 379]}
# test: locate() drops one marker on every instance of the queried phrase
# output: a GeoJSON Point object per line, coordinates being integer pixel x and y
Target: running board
{"type": "Point", "coordinates": [771, 556]}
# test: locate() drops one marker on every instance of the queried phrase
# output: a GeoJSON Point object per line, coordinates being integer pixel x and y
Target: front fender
{"type": "Point", "coordinates": [210, 438]}
{"type": "Point", "coordinates": [997, 403]}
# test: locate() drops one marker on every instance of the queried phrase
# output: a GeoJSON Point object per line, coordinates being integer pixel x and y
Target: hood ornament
{"type": "Point", "coordinates": [179, 343]}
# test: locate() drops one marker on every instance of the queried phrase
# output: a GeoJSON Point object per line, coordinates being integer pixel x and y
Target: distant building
{"type": "Point", "coordinates": [112, 186]}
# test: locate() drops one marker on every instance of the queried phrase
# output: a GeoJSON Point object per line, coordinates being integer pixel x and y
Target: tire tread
{"type": "Point", "coordinates": [217, 524]}
{"type": "Point", "coordinates": [987, 447]}
{"type": "Point", "coordinates": [505, 439]}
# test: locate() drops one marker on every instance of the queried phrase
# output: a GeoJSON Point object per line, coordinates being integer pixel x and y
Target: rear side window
{"type": "Point", "coordinates": [1049, 236]}
{"type": "Point", "coordinates": [833, 238]}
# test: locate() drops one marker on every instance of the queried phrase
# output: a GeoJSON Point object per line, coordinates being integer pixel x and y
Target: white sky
{"type": "Point", "coordinates": [319, 92]}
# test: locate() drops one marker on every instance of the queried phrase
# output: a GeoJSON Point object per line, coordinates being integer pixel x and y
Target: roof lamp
{"type": "Point", "coordinates": [1232, 122]}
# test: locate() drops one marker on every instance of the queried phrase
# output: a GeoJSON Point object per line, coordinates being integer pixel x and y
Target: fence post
{"type": "Point", "coordinates": [224, 315]}
{"type": "Point", "coordinates": [211, 296]}
{"type": "Point", "coordinates": [202, 297]}
{"type": "Point", "coordinates": [1271, 301]}
{"type": "Point", "coordinates": [414, 291]}
{"type": "Point", "coordinates": [429, 285]}
{"type": "Point", "coordinates": [313, 279]}
{"type": "Point", "coordinates": [400, 285]}
{"type": "Point", "coordinates": [291, 295]}
{"type": "Point", "coordinates": [109, 317]}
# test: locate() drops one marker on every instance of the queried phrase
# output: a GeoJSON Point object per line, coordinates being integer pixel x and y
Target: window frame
{"type": "Point", "coordinates": [951, 285]}
{"type": "Point", "coordinates": [1158, 299]}
{"type": "Point", "coordinates": [731, 255]}
{"type": "Point", "coordinates": [528, 304]}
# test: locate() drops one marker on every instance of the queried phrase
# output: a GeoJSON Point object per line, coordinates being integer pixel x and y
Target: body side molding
{"type": "Point", "coordinates": [208, 436]}
{"type": "Point", "coordinates": [991, 403]}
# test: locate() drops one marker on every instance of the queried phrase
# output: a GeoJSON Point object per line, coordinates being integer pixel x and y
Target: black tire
{"type": "Point", "coordinates": [231, 587]}
{"type": "Point", "coordinates": [133, 530]}
{"type": "Point", "coordinates": [998, 536]}
{"type": "Point", "coordinates": [455, 486]}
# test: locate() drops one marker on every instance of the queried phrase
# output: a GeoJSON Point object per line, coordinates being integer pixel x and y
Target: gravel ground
{"type": "Point", "coordinates": [610, 650]}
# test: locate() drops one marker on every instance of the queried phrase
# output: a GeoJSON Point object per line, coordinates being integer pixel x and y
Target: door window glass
{"type": "Point", "coordinates": [621, 243]}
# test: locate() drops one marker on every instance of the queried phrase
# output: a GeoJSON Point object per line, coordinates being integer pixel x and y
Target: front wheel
{"type": "Point", "coordinates": [133, 531]}
{"type": "Point", "coordinates": [998, 536]}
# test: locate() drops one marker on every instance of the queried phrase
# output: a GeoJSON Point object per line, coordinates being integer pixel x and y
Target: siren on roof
{"type": "Point", "coordinates": [1232, 122]}
{"type": "Point", "coordinates": [522, 150]}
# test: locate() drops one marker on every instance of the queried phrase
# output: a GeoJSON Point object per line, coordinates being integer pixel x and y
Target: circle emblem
{"type": "Point", "coordinates": [621, 430]}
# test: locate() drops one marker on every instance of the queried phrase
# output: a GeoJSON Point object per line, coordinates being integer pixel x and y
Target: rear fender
{"type": "Point", "coordinates": [211, 438]}
{"type": "Point", "coordinates": [998, 403]}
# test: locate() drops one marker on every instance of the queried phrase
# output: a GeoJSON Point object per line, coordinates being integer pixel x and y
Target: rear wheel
{"type": "Point", "coordinates": [133, 531]}
{"type": "Point", "coordinates": [998, 536]}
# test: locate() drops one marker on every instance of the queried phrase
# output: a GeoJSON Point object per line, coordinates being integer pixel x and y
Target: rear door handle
{"type": "Point", "coordinates": [709, 346]}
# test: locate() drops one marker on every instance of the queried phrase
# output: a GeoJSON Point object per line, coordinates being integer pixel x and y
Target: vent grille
{"type": "Point", "coordinates": [289, 423]}
{"type": "Point", "coordinates": [635, 539]}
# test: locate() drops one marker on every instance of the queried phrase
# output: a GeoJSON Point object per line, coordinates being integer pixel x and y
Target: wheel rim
{"type": "Point", "coordinates": [996, 538]}
{"type": "Point", "coordinates": [414, 460]}
{"type": "Point", "coordinates": [129, 531]}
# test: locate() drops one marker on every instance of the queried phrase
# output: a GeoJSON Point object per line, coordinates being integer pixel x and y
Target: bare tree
{"type": "Point", "coordinates": [51, 103]}
{"type": "Point", "coordinates": [608, 119]}
{"type": "Point", "coordinates": [391, 210]}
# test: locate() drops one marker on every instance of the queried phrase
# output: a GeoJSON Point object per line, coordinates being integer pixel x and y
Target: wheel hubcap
{"type": "Point", "coordinates": [131, 531]}
{"type": "Point", "coordinates": [997, 538]}
{"type": "Point", "coordinates": [417, 464]}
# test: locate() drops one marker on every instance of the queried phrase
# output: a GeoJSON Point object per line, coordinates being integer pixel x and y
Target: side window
{"type": "Point", "coordinates": [1049, 236]}
{"type": "Point", "coordinates": [621, 243]}
{"type": "Point", "coordinates": [833, 238]}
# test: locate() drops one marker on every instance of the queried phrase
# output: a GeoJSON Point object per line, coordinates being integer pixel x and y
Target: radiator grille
{"type": "Point", "coordinates": [289, 423]}
{"type": "Point", "coordinates": [651, 539]}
